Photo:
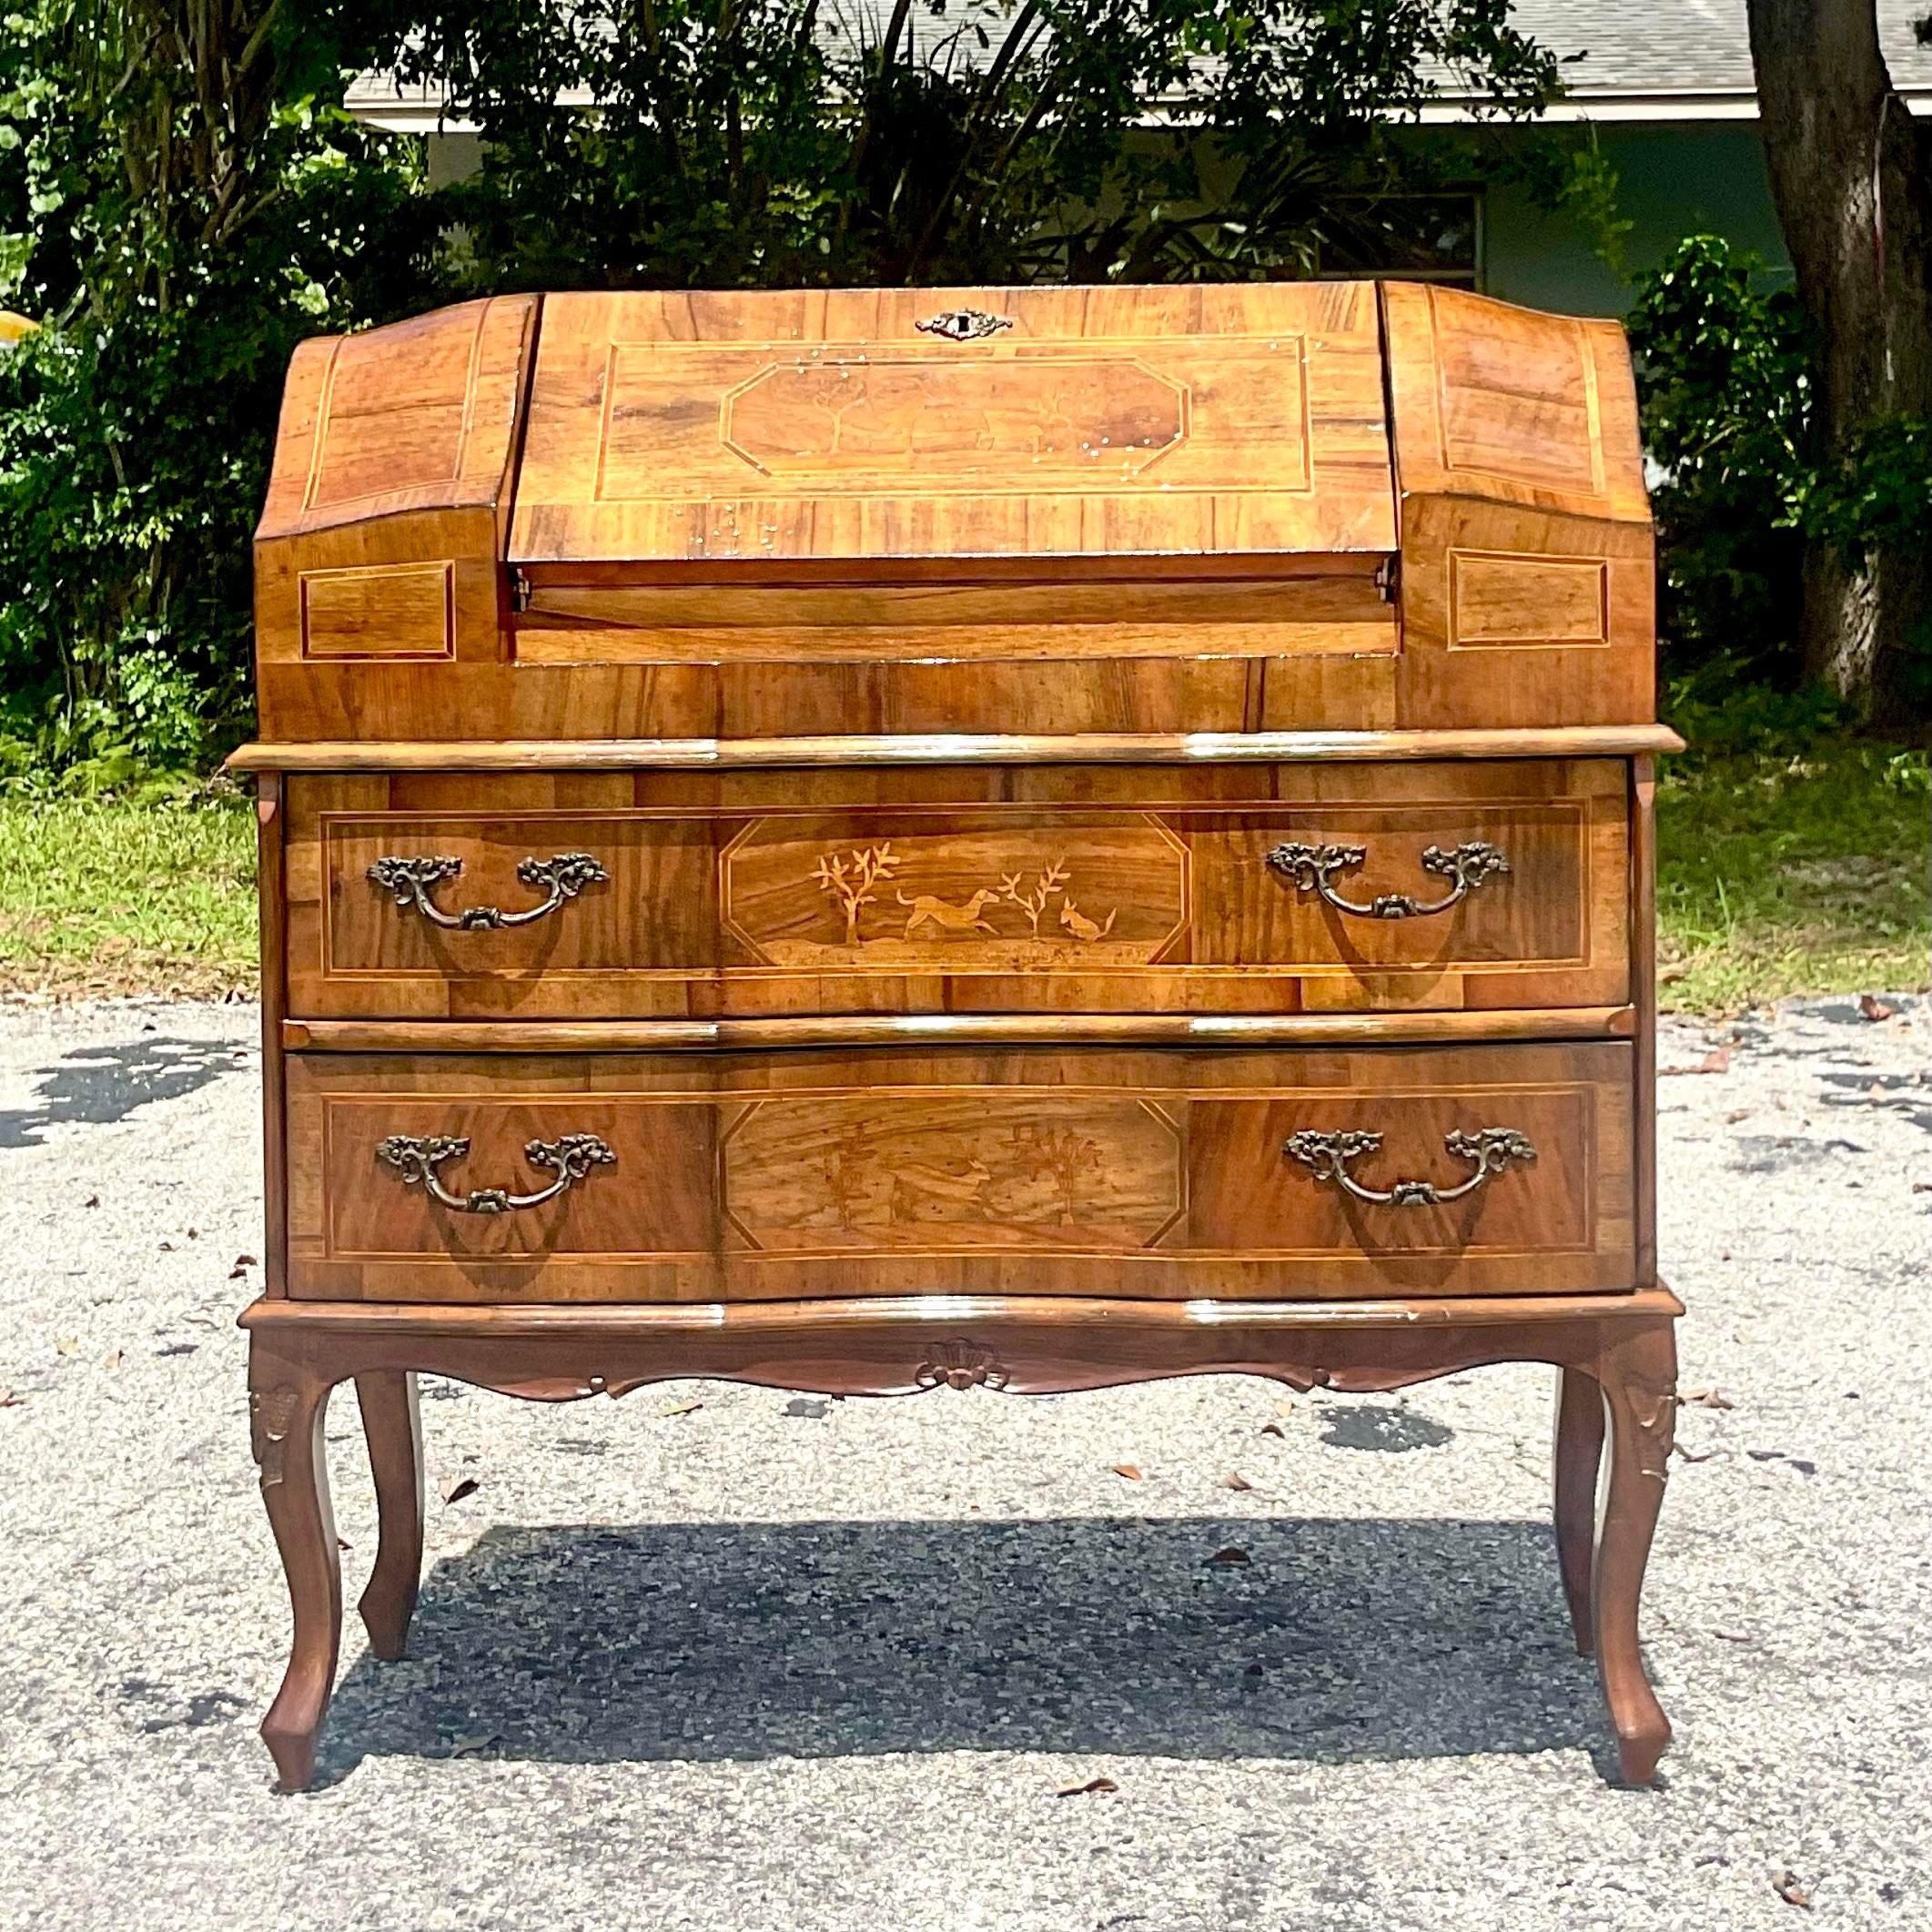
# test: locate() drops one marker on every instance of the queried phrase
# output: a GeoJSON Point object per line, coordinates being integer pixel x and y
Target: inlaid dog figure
{"type": "Point", "coordinates": [928, 910]}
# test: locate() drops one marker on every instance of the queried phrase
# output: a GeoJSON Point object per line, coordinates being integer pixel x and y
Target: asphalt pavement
{"type": "Point", "coordinates": [730, 1659]}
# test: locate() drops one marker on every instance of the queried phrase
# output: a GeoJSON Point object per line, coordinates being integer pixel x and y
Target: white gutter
{"type": "Point", "coordinates": [379, 105]}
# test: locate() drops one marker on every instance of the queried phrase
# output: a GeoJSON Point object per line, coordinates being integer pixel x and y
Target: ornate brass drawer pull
{"type": "Point", "coordinates": [410, 880]}
{"type": "Point", "coordinates": [417, 1157]}
{"type": "Point", "coordinates": [1312, 868]}
{"type": "Point", "coordinates": [1491, 1148]}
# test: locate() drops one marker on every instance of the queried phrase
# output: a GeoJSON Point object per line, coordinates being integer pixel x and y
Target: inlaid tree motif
{"type": "Point", "coordinates": [1034, 903]}
{"type": "Point", "coordinates": [1063, 1155]}
{"type": "Point", "coordinates": [853, 882]}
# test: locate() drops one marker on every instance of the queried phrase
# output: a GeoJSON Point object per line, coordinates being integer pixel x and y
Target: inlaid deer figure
{"type": "Point", "coordinates": [928, 910]}
{"type": "Point", "coordinates": [1081, 927]}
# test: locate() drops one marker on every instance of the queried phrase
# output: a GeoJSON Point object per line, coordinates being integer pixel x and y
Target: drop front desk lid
{"type": "Point", "coordinates": [1047, 509]}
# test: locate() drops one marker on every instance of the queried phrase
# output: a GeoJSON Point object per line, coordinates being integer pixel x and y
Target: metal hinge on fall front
{"type": "Point", "coordinates": [1387, 578]}
{"type": "Point", "coordinates": [519, 590]}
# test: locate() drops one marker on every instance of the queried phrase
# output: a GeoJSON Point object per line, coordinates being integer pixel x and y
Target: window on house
{"type": "Point", "coordinates": [1420, 238]}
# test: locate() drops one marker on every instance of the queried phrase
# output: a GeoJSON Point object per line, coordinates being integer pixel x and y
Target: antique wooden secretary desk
{"type": "Point", "coordinates": [1023, 838]}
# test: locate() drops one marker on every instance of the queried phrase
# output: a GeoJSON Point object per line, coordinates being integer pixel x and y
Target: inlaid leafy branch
{"type": "Point", "coordinates": [1034, 903]}
{"type": "Point", "coordinates": [1063, 1155]}
{"type": "Point", "coordinates": [853, 882]}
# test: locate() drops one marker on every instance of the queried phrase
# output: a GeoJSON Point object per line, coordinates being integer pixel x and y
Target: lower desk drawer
{"type": "Point", "coordinates": [767, 1176]}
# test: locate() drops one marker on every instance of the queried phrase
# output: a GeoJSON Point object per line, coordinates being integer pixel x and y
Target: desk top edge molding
{"type": "Point", "coordinates": [1582, 741]}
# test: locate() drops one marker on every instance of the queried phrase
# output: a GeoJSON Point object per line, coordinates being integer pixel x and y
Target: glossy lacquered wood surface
{"type": "Point", "coordinates": [979, 890]}
{"type": "Point", "coordinates": [1407, 1026]}
{"type": "Point", "coordinates": [748, 514]}
{"type": "Point", "coordinates": [697, 427]}
{"type": "Point", "coordinates": [766, 1176]}
{"type": "Point", "coordinates": [791, 752]}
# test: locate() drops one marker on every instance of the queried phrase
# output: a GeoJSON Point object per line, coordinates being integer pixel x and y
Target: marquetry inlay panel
{"type": "Point", "coordinates": [912, 1169]}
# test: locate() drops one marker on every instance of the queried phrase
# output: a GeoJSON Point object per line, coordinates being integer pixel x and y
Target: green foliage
{"type": "Point", "coordinates": [185, 201]}
{"type": "Point", "coordinates": [1725, 384]}
{"type": "Point", "coordinates": [1724, 378]}
{"type": "Point", "coordinates": [732, 142]}
{"type": "Point", "coordinates": [182, 200]}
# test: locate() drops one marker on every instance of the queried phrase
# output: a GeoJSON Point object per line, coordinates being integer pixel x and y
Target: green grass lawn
{"type": "Point", "coordinates": [1781, 874]}
{"type": "Point", "coordinates": [112, 897]}
{"type": "Point", "coordinates": [1778, 875]}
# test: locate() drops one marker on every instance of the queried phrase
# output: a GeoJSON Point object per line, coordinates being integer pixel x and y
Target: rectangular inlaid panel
{"type": "Point", "coordinates": [1102, 889]}
{"type": "Point", "coordinates": [1452, 1170]}
{"type": "Point", "coordinates": [717, 429]}
{"type": "Point", "coordinates": [379, 611]}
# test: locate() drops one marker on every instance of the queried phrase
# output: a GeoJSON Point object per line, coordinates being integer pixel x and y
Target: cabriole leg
{"type": "Point", "coordinates": [287, 1402]}
{"type": "Point", "coordinates": [392, 1422]}
{"type": "Point", "coordinates": [1638, 1372]}
{"type": "Point", "coordinates": [1579, 1459]}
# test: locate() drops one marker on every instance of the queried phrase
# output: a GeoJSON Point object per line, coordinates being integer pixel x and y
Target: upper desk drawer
{"type": "Point", "coordinates": [1093, 889]}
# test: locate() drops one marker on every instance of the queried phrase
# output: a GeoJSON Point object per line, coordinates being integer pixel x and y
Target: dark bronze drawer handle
{"type": "Point", "coordinates": [409, 879]}
{"type": "Point", "coordinates": [417, 1157]}
{"type": "Point", "coordinates": [1491, 1149]}
{"type": "Point", "coordinates": [1311, 867]}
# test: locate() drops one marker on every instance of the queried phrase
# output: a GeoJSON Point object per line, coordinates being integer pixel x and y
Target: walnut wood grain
{"type": "Point", "coordinates": [457, 753]}
{"type": "Point", "coordinates": [1086, 890]}
{"type": "Point", "coordinates": [767, 1176]}
{"type": "Point", "coordinates": [271, 887]}
{"type": "Point", "coordinates": [699, 428]}
{"type": "Point", "coordinates": [942, 1029]}
{"type": "Point", "coordinates": [751, 513]}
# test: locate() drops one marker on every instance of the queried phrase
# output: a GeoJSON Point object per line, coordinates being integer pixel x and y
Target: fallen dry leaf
{"type": "Point", "coordinates": [93, 1200]}
{"type": "Point", "coordinates": [113, 1359]}
{"type": "Point", "coordinates": [466, 1487]}
{"type": "Point", "coordinates": [1233, 1553]}
{"type": "Point", "coordinates": [1719, 1060]}
{"type": "Point", "coordinates": [1922, 1187]}
{"type": "Point", "coordinates": [69, 1344]}
{"type": "Point", "coordinates": [1874, 1008]}
{"type": "Point", "coordinates": [1126, 1470]}
{"type": "Point", "coordinates": [1788, 1887]}
{"type": "Point", "coordinates": [1235, 1479]}
{"type": "Point", "coordinates": [470, 1742]}
{"type": "Point", "coordinates": [1092, 1784]}
{"type": "Point", "coordinates": [1709, 1399]}
{"type": "Point", "coordinates": [1274, 1429]}
{"type": "Point", "coordinates": [681, 1408]}
{"type": "Point", "coordinates": [1735, 1636]}
{"type": "Point", "coordinates": [1692, 1455]}
{"type": "Point", "coordinates": [8, 1400]}
{"type": "Point", "coordinates": [1737, 1114]}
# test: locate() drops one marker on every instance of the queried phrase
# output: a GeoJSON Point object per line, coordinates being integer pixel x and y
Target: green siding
{"type": "Point", "coordinates": [1674, 180]}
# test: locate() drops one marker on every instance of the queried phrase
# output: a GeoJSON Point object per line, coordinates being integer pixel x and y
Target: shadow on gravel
{"type": "Point", "coordinates": [94, 1085]}
{"type": "Point", "coordinates": [1333, 1641]}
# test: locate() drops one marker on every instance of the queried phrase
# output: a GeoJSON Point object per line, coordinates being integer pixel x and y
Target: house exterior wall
{"type": "Point", "coordinates": [1673, 179]}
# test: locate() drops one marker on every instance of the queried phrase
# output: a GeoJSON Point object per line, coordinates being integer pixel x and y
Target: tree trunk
{"type": "Point", "coordinates": [1852, 179]}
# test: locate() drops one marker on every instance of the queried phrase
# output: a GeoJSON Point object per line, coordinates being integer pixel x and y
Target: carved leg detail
{"type": "Point", "coordinates": [1579, 1458]}
{"type": "Point", "coordinates": [1639, 1377]}
{"type": "Point", "coordinates": [392, 1422]}
{"type": "Point", "coordinates": [287, 1402]}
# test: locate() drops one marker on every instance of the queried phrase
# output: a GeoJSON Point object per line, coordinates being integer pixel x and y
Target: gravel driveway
{"type": "Point", "coordinates": [723, 1658]}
